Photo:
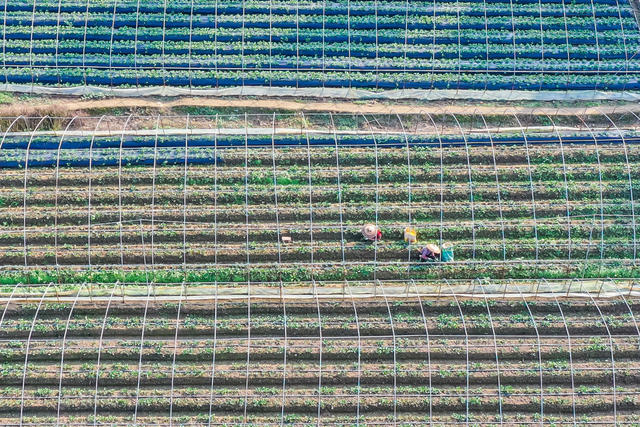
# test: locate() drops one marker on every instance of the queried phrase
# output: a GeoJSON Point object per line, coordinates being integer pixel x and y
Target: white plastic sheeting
{"type": "Point", "coordinates": [337, 93]}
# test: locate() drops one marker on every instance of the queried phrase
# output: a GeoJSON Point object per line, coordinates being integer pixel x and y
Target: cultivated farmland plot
{"type": "Point", "coordinates": [379, 361]}
{"type": "Point", "coordinates": [531, 45]}
{"type": "Point", "coordinates": [214, 205]}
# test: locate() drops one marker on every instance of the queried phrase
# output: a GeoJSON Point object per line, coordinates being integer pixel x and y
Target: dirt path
{"type": "Point", "coordinates": [72, 106]}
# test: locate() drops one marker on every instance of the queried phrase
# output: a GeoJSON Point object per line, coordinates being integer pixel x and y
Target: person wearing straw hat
{"type": "Point", "coordinates": [371, 232]}
{"type": "Point", "coordinates": [430, 252]}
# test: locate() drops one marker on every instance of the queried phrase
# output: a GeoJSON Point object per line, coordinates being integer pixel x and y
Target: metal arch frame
{"type": "Point", "coordinates": [141, 350]}
{"type": "Point", "coordinates": [533, 197]}
{"type": "Point", "coordinates": [243, 45]}
{"type": "Point", "coordinates": [124, 128]}
{"type": "Point", "coordinates": [632, 200]}
{"type": "Point", "coordinates": [541, 45]}
{"type": "Point", "coordinates": [184, 195]}
{"type": "Point", "coordinates": [153, 194]}
{"type": "Point", "coordinates": [276, 206]}
{"type": "Point", "coordinates": [26, 352]}
{"type": "Point", "coordinates": [377, 202]}
{"type": "Point", "coordinates": [486, 41]}
{"type": "Point", "coordinates": [566, 34]}
{"type": "Point", "coordinates": [64, 342]}
{"type": "Point", "coordinates": [624, 299]}
{"type": "Point", "coordinates": [459, 71]}
{"type": "Point", "coordinates": [56, 190]}
{"type": "Point", "coordinates": [246, 188]}
{"type": "Point", "coordinates": [33, 24]}
{"type": "Point", "coordinates": [113, 30]}
{"type": "Point", "coordinates": [566, 183]}
{"type": "Point", "coordinates": [84, 43]}
{"type": "Point", "coordinates": [513, 38]}
{"type": "Point", "coordinates": [471, 185]}
{"type": "Point", "coordinates": [310, 188]}
{"type": "Point", "coordinates": [495, 346]}
{"type": "Point", "coordinates": [613, 361]}
{"type": "Point", "coordinates": [271, 40]}
{"type": "Point", "coordinates": [297, 45]}
{"type": "Point", "coordinates": [93, 138]}
{"type": "Point", "coordinates": [58, 41]}
{"type": "Point", "coordinates": [433, 44]}
{"type": "Point", "coordinates": [572, 369]}
{"type": "Point", "coordinates": [175, 353]}
{"type": "Point", "coordinates": [426, 331]}
{"type": "Point", "coordinates": [215, 194]}
{"type": "Point", "coordinates": [535, 326]}
{"type": "Point", "coordinates": [189, 60]}
{"type": "Point", "coordinates": [4, 42]}
{"type": "Point", "coordinates": [466, 345]}
{"type": "Point", "coordinates": [215, 38]}
{"type": "Point", "coordinates": [498, 192]}
{"type": "Point", "coordinates": [6, 306]}
{"type": "Point", "coordinates": [347, 287]}
{"type": "Point", "coordinates": [377, 44]}
{"type": "Point", "coordinates": [213, 356]}
{"type": "Point", "coordinates": [439, 137]}
{"type": "Point", "coordinates": [97, 377]}
{"type": "Point", "coordinates": [633, 317]}
{"type": "Point", "coordinates": [409, 190]}
{"type": "Point", "coordinates": [321, 347]}
{"type": "Point", "coordinates": [395, 357]}
{"type": "Point", "coordinates": [595, 141]}
{"type": "Point", "coordinates": [135, 44]}
{"type": "Point", "coordinates": [6, 132]}
{"type": "Point", "coordinates": [408, 151]}
{"type": "Point", "coordinates": [339, 185]}
{"type": "Point", "coordinates": [164, 32]}
{"type": "Point", "coordinates": [624, 43]}
{"type": "Point", "coordinates": [405, 44]}
{"type": "Point", "coordinates": [24, 202]}
{"type": "Point", "coordinates": [284, 357]}
{"type": "Point", "coordinates": [595, 33]}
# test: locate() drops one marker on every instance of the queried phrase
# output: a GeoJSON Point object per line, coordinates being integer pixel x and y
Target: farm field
{"type": "Point", "coordinates": [347, 213]}
{"type": "Point", "coordinates": [549, 45]}
{"type": "Point", "coordinates": [215, 208]}
{"type": "Point", "coordinates": [375, 361]}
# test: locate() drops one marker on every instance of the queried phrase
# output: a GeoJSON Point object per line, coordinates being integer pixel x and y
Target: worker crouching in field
{"type": "Point", "coordinates": [371, 232]}
{"type": "Point", "coordinates": [430, 252]}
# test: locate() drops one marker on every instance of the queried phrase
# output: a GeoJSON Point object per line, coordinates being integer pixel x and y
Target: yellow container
{"type": "Point", "coordinates": [410, 235]}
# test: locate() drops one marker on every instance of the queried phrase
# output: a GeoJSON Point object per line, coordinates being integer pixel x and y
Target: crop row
{"type": "Point", "coordinates": [409, 316]}
{"type": "Point", "coordinates": [277, 419]}
{"type": "Point", "coordinates": [445, 60]}
{"type": "Point", "coordinates": [125, 77]}
{"type": "Point", "coordinates": [425, 144]}
{"type": "Point", "coordinates": [494, 17]}
{"type": "Point", "coordinates": [331, 8]}
{"type": "Point", "coordinates": [428, 151]}
{"type": "Point", "coordinates": [328, 35]}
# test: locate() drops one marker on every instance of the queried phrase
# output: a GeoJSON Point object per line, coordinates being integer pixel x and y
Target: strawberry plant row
{"type": "Point", "coordinates": [519, 80]}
